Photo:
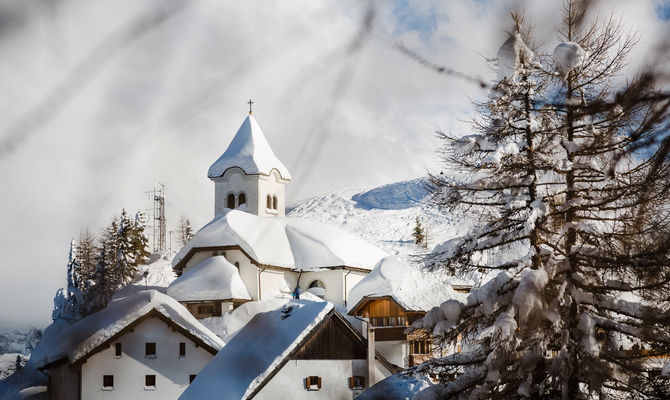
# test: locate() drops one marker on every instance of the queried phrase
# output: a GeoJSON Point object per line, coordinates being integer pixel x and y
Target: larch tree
{"type": "Point", "coordinates": [574, 231]}
{"type": "Point", "coordinates": [185, 230]}
{"type": "Point", "coordinates": [419, 232]}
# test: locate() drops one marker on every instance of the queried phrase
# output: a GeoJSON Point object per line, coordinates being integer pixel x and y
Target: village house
{"type": "Point", "coordinates": [146, 345]}
{"type": "Point", "coordinates": [302, 350]}
{"type": "Point", "coordinates": [391, 298]}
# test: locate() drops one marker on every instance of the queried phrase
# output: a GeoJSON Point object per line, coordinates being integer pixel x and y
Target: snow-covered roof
{"type": "Point", "coordinates": [256, 351]}
{"type": "Point", "coordinates": [285, 242]}
{"type": "Point", "coordinates": [413, 288]}
{"type": "Point", "coordinates": [87, 334]}
{"type": "Point", "coordinates": [213, 279]}
{"type": "Point", "coordinates": [250, 151]}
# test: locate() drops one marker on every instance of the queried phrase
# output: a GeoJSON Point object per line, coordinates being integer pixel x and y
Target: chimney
{"type": "Point", "coordinates": [371, 355]}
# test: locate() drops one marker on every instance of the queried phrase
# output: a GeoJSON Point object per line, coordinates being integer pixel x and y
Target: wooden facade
{"type": "Point", "coordinates": [211, 308]}
{"type": "Point", "coordinates": [332, 341]}
{"type": "Point", "coordinates": [387, 316]}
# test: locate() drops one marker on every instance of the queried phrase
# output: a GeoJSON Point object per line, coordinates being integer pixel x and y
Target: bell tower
{"type": "Point", "coordinates": [248, 176]}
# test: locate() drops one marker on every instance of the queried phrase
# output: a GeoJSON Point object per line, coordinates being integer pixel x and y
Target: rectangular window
{"type": "Point", "coordinates": [205, 309]}
{"type": "Point", "coordinates": [191, 378]}
{"type": "Point", "coordinates": [356, 382]}
{"type": "Point", "coordinates": [108, 382]}
{"type": "Point", "coordinates": [117, 349]}
{"type": "Point", "coordinates": [313, 383]}
{"type": "Point", "coordinates": [150, 349]}
{"type": "Point", "coordinates": [182, 349]}
{"type": "Point", "coordinates": [150, 381]}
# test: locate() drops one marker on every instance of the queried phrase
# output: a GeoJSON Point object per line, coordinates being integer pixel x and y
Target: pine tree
{"type": "Point", "coordinates": [418, 233]}
{"type": "Point", "coordinates": [185, 230]}
{"type": "Point", "coordinates": [69, 301]}
{"type": "Point", "coordinates": [577, 245]}
{"type": "Point", "coordinates": [88, 252]}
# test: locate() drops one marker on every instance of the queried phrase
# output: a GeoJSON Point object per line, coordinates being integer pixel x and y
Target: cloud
{"type": "Point", "coordinates": [164, 105]}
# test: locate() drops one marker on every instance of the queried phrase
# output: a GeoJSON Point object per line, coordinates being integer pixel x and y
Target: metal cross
{"type": "Point", "coordinates": [250, 103]}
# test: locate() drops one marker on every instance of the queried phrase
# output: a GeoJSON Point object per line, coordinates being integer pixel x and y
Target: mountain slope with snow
{"type": "Point", "coordinates": [385, 215]}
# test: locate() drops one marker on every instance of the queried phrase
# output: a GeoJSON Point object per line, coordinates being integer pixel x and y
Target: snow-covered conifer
{"type": "Point", "coordinates": [185, 230]}
{"type": "Point", "coordinates": [419, 232]}
{"type": "Point", "coordinates": [576, 244]}
{"type": "Point", "coordinates": [69, 301]}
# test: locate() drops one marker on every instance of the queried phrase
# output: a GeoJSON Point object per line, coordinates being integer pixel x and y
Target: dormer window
{"type": "Point", "coordinates": [230, 201]}
{"type": "Point", "coordinates": [241, 199]}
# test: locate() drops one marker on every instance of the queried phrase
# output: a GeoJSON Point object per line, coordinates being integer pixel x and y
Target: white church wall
{"type": "Point", "coordinates": [272, 185]}
{"type": "Point", "coordinates": [351, 280]}
{"type": "Point", "coordinates": [248, 271]}
{"type": "Point", "coordinates": [235, 181]}
{"type": "Point", "coordinates": [394, 351]}
{"type": "Point", "coordinates": [172, 371]}
{"type": "Point", "coordinates": [272, 283]}
{"type": "Point", "coordinates": [333, 280]}
{"type": "Point", "coordinates": [289, 383]}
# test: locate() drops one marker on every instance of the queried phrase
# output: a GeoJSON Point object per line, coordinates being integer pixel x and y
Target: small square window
{"type": "Point", "coordinates": [108, 382]}
{"type": "Point", "coordinates": [150, 349]}
{"type": "Point", "coordinates": [182, 349]}
{"type": "Point", "coordinates": [149, 382]}
{"type": "Point", "coordinates": [191, 378]}
{"type": "Point", "coordinates": [356, 382]}
{"type": "Point", "coordinates": [313, 383]}
{"type": "Point", "coordinates": [118, 349]}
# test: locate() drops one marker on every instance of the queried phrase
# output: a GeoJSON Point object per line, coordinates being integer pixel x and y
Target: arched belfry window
{"type": "Point", "coordinates": [317, 288]}
{"type": "Point", "coordinates": [269, 202]}
{"type": "Point", "coordinates": [230, 202]}
{"type": "Point", "coordinates": [274, 202]}
{"type": "Point", "coordinates": [241, 199]}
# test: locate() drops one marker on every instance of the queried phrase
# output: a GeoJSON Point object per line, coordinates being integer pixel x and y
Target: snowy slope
{"type": "Point", "coordinates": [384, 216]}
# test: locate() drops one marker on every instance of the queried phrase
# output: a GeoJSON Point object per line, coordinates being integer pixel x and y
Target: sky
{"type": "Point", "coordinates": [102, 101]}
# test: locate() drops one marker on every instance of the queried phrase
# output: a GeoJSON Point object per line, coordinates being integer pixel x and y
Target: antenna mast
{"type": "Point", "coordinates": [159, 227]}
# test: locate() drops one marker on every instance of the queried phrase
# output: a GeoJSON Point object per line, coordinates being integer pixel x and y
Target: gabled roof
{"type": "Point", "coordinates": [87, 336]}
{"type": "Point", "coordinates": [212, 279]}
{"type": "Point", "coordinates": [286, 242]}
{"type": "Point", "coordinates": [410, 286]}
{"type": "Point", "coordinates": [249, 151]}
{"type": "Point", "coordinates": [265, 345]}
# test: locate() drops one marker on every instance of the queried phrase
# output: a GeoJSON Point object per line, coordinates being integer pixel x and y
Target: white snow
{"type": "Point", "coordinates": [285, 242]}
{"type": "Point", "coordinates": [78, 339]}
{"type": "Point", "coordinates": [509, 57]}
{"type": "Point", "coordinates": [413, 288]}
{"type": "Point", "coordinates": [159, 275]}
{"type": "Point", "coordinates": [213, 279]}
{"type": "Point", "coordinates": [567, 56]}
{"type": "Point", "coordinates": [250, 151]}
{"type": "Point", "coordinates": [256, 350]}
{"type": "Point", "coordinates": [666, 369]}
{"type": "Point", "coordinates": [385, 215]}
{"type": "Point", "coordinates": [404, 386]}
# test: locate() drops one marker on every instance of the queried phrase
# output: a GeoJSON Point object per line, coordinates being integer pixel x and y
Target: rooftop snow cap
{"type": "Point", "coordinates": [250, 151]}
{"type": "Point", "coordinates": [213, 279]}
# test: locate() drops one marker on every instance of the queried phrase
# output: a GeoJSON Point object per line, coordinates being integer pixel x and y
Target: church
{"type": "Point", "coordinates": [252, 242]}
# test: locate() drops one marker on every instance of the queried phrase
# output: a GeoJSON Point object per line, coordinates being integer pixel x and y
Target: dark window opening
{"type": "Point", "coordinates": [108, 381]}
{"type": "Point", "coordinates": [356, 382]}
{"type": "Point", "coordinates": [117, 349]}
{"type": "Point", "coordinates": [230, 203]}
{"type": "Point", "coordinates": [420, 347]}
{"type": "Point", "coordinates": [150, 380]}
{"type": "Point", "coordinates": [269, 202]}
{"type": "Point", "coordinates": [274, 202]}
{"type": "Point", "coordinates": [150, 349]}
{"type": "Point", "coordinates": [191, 378]}
{"type": "Point", "coordinates": [206, 309]}
{"type": "Point", "coordinates": [313, 383]}
{"type": "Point", "coordinates": [241, 199]}
{"type": "Point", "coordinates": [182, 349]}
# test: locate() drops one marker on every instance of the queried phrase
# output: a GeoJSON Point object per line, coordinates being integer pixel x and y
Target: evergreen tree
{"type": "Point", "coordinates": [69, 301]}
{"type": "Point", "coordinates": [185, 230]}
{"type": "Point", "coordinates": [418, 233]}
{"type": "Point", "coordinates": [577, 245]}
{"type": "Point", "coordinates": [88, 252]}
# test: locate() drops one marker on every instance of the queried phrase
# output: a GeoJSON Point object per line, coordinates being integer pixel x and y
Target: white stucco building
{"type": "Point", "coordinates": [302, 350]}
{"type": "Point", "coordinates": [273, 253]}
{"type": "Point", "coordinates": [146, 345]}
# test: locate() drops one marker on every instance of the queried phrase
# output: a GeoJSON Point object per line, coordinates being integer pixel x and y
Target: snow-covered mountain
{"type": "Point", "coordinates": [385, 215]}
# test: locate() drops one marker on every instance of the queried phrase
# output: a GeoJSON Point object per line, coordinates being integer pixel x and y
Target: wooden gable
{"type": "Point", "coordinates": [332, 340]}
